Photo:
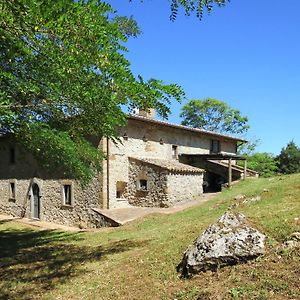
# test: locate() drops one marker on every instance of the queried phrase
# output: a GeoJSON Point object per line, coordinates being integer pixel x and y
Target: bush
{"type": "Point", "coordinates": [263, 163]}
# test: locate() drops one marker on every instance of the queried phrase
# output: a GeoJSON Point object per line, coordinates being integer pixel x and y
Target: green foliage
{"type": "Point", "coordinates": [248, 148]}
{"type": "Point", "coordinates": [289, 159]}
{"type": "Point", "coordinates": [63, 75]}
{"type": "Point", "coordinates": [264, 163]}
{"type": "Point", "coordinates": [214, 115]}
{"type": "Point", "coordinates": [198, 6]}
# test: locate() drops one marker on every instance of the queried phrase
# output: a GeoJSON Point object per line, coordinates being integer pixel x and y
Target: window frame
{"type": "Point", "coordinates": [120, 189]}
{"type": "Point", "coordinates": [139, 186]}
{"type": "Point", "coordinates": [12, 192]}
{"type": "Point", "coordinates": [70, 199]}
{"type": "Point", "coordinates": [215, 146]}
{"type": "Point", "coordinates": [174, 151]}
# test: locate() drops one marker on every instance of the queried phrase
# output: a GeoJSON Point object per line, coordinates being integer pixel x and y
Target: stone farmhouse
{"type": "Point", "coordinates": [155, 164]}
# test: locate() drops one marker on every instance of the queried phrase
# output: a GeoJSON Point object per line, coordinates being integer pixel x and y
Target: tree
{"type": "Point", "coordinates": [214, 115]}
{"type": "Point", "coordinates": [63, 76]}
{"type": "Point", "coordinates": [289, 159]}
{"type": "Point", "coordinates": [199, 6]}
{"type": "Point", "coordinates": [263, 163]}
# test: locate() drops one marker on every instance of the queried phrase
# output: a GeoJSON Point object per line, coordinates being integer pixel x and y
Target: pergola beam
{"type": "Point", "coordinates": [216, 156]}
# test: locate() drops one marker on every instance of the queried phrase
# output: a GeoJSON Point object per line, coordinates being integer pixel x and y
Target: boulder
{"type": "Point", "coordinates": [229, 241]}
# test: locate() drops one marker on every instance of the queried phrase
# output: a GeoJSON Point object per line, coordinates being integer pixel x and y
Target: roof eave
{"type": "Point", "coordinates": [182, 127]}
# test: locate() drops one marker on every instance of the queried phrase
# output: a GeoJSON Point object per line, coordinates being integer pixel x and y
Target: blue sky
{"type": "Point", "coordinates": [246, 54]}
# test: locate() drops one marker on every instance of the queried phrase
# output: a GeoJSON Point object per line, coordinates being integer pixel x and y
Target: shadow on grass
{"type": "Point", "coordinates": [33, 262]}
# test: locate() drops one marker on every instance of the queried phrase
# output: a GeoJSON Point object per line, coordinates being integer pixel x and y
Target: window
{"type": "Point", "coordinates": [215, 146]}
{"type": "Point", "coordinates": [120, 189]}
{"type": "Point", "coordinates": [142, 185]}
{"type": "Point", "coordinates": [67, 194]}
{"type": "Point", "coordinates": [12, 156]}
{"type": "Point", "coordinates": [174, 152]}
{"type": "Point", "coordinates": [125, 136]}
{"type": "Point", "coordinates": [12, 190]}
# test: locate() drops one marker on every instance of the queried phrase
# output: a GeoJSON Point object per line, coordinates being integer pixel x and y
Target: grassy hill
{"type": "Point", "coordinates": [138, 260]}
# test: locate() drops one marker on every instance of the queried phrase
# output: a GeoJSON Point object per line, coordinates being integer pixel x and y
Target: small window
{"type": "Point", "coordinates": [125, 136]}
{"type": "Point", "coordinates": [12, 191]}
{"type": "Point", "coordinates": [12, 156]}
{"type": "Point", "coordinates": [142, 185]}
{"type": "Point", "coordinates": [174, 152]}
{"type": "Point", "coordinates": [120, 189]}
{"type": "Point", "coordinates": [215, 146]}
{"type": "Point", "coordinates": [67, 194]}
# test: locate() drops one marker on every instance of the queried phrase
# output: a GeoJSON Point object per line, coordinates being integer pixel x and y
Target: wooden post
{"type": "Point", "coordinates": [245, 169]}
{"type": "Point", "coordinates": [229, 172]}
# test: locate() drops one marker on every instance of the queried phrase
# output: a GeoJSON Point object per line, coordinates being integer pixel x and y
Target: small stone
{"type": "Point", "coordinates": [254, 199]}
{"type": "Point", "coordinates": [239, 197]}
{"type": "Point", "coordinates": [290, 245]}
{"type": "Point", "coordinates": [295, 236]}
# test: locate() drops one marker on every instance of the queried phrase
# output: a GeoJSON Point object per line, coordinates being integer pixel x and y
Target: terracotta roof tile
{"type": "Point", "coordinates": [171, 165]}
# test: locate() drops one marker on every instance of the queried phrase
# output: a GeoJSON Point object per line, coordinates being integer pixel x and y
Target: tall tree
{"type": "Point", "coordinates": [63, 75]}
{"type": "Point", "coordinates": [198, 6]}
{"type": "Point", "coordinates": [214, 115]}
{"type": "Point", "coordinates": [289, 159]}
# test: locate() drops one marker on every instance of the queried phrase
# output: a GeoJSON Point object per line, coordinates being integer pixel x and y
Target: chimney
{"type": "Point", "coordinates": [148, 113]}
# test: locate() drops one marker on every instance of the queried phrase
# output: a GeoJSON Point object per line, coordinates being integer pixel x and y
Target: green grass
{"type": "Point", "coordinates": [138, 260]}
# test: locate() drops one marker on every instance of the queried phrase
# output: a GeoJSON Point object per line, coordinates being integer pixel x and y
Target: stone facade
{"type": "Point", "coordinates": [18, 176]}
{"type": "Point", "coordinates": [184, 187]}
{"type": "Point", "coordinates": [141, 169]}
{"type": "Point", "coordinates": [154, 192]}
{"type": "Point", "coordinates": [145, 138]}
{"type": "Point", "coordinates": [162, 185]}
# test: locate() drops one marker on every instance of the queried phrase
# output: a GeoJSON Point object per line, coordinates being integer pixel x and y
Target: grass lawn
{"type": "Point", "coordinates": [138, 260]}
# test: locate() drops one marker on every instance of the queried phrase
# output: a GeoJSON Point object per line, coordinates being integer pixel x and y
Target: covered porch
{"type": "Point", "coordinates": [220, 168]}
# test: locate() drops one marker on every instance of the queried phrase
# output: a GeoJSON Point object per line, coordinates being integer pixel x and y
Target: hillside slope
{"type": "Point", "coordinates": [138, 260]}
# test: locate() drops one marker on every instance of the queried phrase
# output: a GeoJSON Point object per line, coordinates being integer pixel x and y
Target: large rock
{"type": "Point", "coordinates": [230, 241]}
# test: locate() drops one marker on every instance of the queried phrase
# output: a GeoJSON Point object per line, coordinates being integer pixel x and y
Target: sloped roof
{"type": "Point", "coordinates": [182, 127]}
{"type": "Point", "coordinates": [170, 165]}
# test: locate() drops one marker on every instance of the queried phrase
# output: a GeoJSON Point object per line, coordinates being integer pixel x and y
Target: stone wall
{"type": "Point", "coordinates": [156, 193]}
{"type": "Point", "coordinates": [184, 187]}
{"type": "Point", "coordinates": [164, 187]}
{"type": "Point", "coordinates": [24, 172]}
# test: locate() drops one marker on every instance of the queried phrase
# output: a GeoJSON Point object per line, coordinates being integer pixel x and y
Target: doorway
{"type": "Point", "coordinates": [36, 198]}
{"type": "Point", "coordinates": [212, 182]}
